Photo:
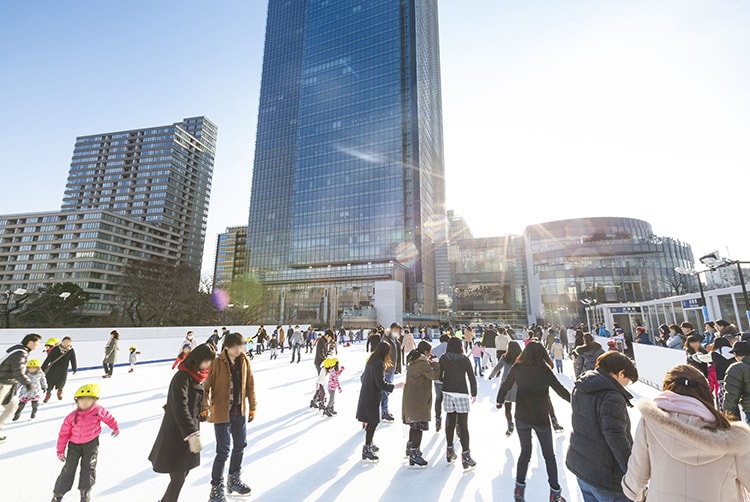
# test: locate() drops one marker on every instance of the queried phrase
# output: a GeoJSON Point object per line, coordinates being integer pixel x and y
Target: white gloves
{"type": "Point", "coordinates": [194, 442]}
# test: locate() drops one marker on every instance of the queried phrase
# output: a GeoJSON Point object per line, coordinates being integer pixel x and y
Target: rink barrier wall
{"type": "Point", "coordinates": [156, 345]}
{"type": "Point", "coordinates": [652, 361]}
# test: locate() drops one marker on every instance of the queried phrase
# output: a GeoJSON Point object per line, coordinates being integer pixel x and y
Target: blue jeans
{"type": "Point", "coordinates": [558, 365]}
{"type": "Point", "coordinates": [236, 430]}
{"type": "Point", "coordinates": [594, 494]}
{"type": "Point", "coordinates": [478, 366]}
{"type": "Point", "coordinates": [388, 377]}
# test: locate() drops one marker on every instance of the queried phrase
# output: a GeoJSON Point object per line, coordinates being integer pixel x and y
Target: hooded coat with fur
{"type": "Point", "coordinates": [682, 460]}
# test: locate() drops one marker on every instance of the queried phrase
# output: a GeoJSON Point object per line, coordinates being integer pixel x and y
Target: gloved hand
{"type": "Point", "coordinates": [498, 405]}
{"type": "Point", "coordinates": [203, 416]}
{"type": "Point", "coordinates": [115, 433]}
{"type": "Point", "coordinates": [61, 456]}
{"type": "Point", "coordinates": [250, 416]}
{"type": "Point", "coordinates": [194, 443]}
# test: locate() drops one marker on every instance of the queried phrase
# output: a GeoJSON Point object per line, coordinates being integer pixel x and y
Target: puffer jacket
{"type": "Point", "coordinates": [600, 443]}
{"type": "Point", "coordinates": [737, 386]}
{"type": "Point", "coordinates": [454, 370]}
{"type": "Point", "coordinates": [13, 367]}
{"type": "Point", "coordinates": [681, 460]}
{"type": "Point", "coordinates": [80, 427]}
{"type": "Point", "coordinates": [587, 356]}
{"type": "Point", "coordinates": [39, 385]}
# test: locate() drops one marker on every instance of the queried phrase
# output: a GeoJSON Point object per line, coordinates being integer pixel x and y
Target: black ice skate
{"type": "Point", "coordinates": [556, 496]}
{"type": "Point", "coordinates": [235, 485]}
{"type": "Point", "coordinates": [86, 495]}
{"type": "Point", "coordinates": [415, 458]}
{"type": "Point", "coordinates": [519, 493]}
{"type": "Point", "coordinates": [217, 493]}
{"type": "Point", "coordinates": [327, 412]}
{"type": "Point", "coordinates": [466, 460]}
{"type": "Point", "coordinates": [450, 454]}
{"type": "Point", "coordinates": [387, 417]}
{"type": "Point", "coordinates": [368, 455]}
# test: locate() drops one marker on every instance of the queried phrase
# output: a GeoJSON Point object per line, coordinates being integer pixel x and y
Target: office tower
{"type": "Point", "coordinates": [348, 181]}
{"type": "Point", "coordinates": [230, 256]}
{"type": "Point", "coordinates": [157, 175]}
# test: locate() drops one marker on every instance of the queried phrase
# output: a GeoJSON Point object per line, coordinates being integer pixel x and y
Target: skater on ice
{"type": "Point", "coordinates": [421, 371]}
{"type": "Point", "coordinates": [56, 366]}
{"type": "Point", "coordinates": [455, 370]}
{"type": "Point", "coordinates": [182, 355]}
{"type": "Point", "coordinates": [110, 354]}
{"type": "Point", "coordinates": [79, 435]}
{"type": "Point", "coordinates": [133, 358]}
{"type": "Point", "coordinates": [12, 373]}
{"type": "Point", "coordinates": [331, 367]}
{"type": "Point", "coordinates": [39, 386]}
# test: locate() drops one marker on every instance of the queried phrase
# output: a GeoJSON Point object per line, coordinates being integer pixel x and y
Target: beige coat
{"type": "Point", "coordinates": [408, 344]}
{"type": "Point", "coordinates": [684, 461]}
{"type": "Point", "coordinates": [216, 388]}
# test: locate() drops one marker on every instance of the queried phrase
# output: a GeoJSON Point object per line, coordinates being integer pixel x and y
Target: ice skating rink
{"type": "Point", "coordinates": [293, 454]}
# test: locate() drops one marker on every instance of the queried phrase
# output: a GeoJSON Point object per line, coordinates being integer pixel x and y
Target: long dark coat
{"type": "Point", "coordinates": [181, 418]}
{"type": "Point", "coordinates": [56, 366]}
{"type": "Point", "coordinates": [417, 402]}
{"type": "Point", "coordinates": [373, 386]}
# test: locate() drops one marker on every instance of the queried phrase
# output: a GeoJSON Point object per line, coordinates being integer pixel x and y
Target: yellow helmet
{"type": "Point", "coordinates": [132, 347]}
{"type": "Point", "coordinates": [88, 390]}
{"type": "Point", "coordinates": [330, 362]}
{"type": "Point", "coordinates": [34, 363]}
{"type": "Point", "coordinates": [52, 342]}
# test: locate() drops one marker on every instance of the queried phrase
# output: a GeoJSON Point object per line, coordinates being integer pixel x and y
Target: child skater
{"type": "Point", "coordinates": [133, 358]}
{"type": "Point", "coordinates": [331, 366]}
{"type": "Point", "coordinates": [182, 355]}
{"type": "Point", "coordinates": [80, 433]}
{"type": "Point", "coordinates": [250, 344]}
{"type": "Point", "coordinates": [274, 346]}
{"type": "Point", "coordinates": [477, 352]}
{"type": "Point", "coordinates": [39, 386]}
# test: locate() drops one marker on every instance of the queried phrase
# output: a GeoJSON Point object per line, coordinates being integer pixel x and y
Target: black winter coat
{"type": "Point", "coordinates": [321, 350]}
{"type": "Point", "coordinates": [454, 370]}
{"type": "Point", "coordinates": [601, 442]}
{"type": "Point", "coordinates": [13, 367]}
{"type": "Point", "coordinates": [56, 366]}
{"type": "Point", "coordinates": [372, 342]}
{"type": "Point", "coordinates": [181, 418]}
{"type": "Point", "coordinates": [532, 393]}
{"type": "Point", "coordinates": [373, 386]}
{"type": "Point", "coordinates": [587, 356]}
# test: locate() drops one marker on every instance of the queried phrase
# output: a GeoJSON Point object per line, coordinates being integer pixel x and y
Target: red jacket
{"type": "Point", "coordinates": [80, 427]}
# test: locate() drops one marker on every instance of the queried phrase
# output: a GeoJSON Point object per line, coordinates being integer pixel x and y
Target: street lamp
{"type": "Point", "coordinates": [687, 271]}
{"type": "Point", "coordinates": [714, 261]}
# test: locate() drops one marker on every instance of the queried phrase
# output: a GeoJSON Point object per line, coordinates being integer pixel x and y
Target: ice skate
{"type": "Point", "coordinates": [387, 417]}
{"type": "Point", "coordinates": [46, 397]}
{"type": "Point", "coordinates": [235, 485]}
{"type": "Point", "coordinates": [467, 462]}
{"type": "Point", "coordinates": [86, 495]}
{"type": "Point", "coordinates": [57, 498]}
{"type": "Point", "coordinates": [415, 458]}
{"type": "Point", "coordinates": [368, 455]}
{"type": "Point", "coordinates": [217, 493]}
{"type": "Point", "coordinates": [327, 412]}
{"type": "Point", "coordinates": [450, 454]}
{"type": "Point", "coordinates": [556, 496]}
{"type": "Point", "coordinates": [59, 395]}
{"type": "Point", "coordinates": [519, 493]}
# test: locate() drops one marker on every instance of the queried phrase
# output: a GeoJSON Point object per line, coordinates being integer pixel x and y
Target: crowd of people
{"type": "Point", "coordinates": [694, 429]}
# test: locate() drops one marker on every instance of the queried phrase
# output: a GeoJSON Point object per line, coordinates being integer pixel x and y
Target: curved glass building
{"type": "Point", "coordinates": [609, 260]}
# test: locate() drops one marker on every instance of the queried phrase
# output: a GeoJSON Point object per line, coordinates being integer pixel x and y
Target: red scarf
{"type": "Point", "coordinates": [198, 376]}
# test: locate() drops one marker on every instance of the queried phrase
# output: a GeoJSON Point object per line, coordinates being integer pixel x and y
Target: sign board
{"type": "Point", "coordinates": [693, 303]}
{"type": "Point", "coordinates": [625, 310]}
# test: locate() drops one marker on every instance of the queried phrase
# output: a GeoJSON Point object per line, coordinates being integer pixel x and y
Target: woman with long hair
{"type": "Point", "coordinates": [373, 386]}
{"type": "Point", "coordinates": [686, 449]}
{"type": "Point", "coordinates": [421, 371]}
{"type": "Point", "coordinates": [177, 447]}
{"type": "Point", "coordinates": [693, 352]}
{"type": "Point", "coordinates": [504, 366]}
{"type": "Point", "coordinates": [663, 335]}
{"type": "Point", "coordinates": [455, 370]}
{"type": "Point", "coordinates": [532, 375]}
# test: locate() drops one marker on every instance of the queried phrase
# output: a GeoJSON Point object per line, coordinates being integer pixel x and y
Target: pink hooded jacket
{"type": "Point", "coordinates": [80, 427]}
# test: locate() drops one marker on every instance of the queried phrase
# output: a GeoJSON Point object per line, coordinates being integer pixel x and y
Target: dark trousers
{"type": "Point", "coordinates": [544, 435]}
{"type": "Point", "coordinates": [87, 454]}
{"type": "Point", "coordinates": [176, 481]}
{"type": "Point", "coordinates": [415, 438]}
{"type": "Point", "coordinates": [297, 350]}
{"type": "Point", "coordinates": [234, 431]}
{"type": "Point", "coordinates": [462, 419]}
{"type": "Point", "coordinates": [438, 400]}
{"type": "Point", "coordinates": [370, 433]}
{"type": "Point", "coordinates": [22, 405]}
{"type": "Point", "coordinates": [108, 368]}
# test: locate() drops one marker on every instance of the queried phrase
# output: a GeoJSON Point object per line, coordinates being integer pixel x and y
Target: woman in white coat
{"type": "Point", "coordinates": [685, 449]}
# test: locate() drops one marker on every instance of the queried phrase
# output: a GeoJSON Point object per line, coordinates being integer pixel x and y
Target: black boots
{"type": "Point", "coordinates": [368, 454]}
{"type": "Point", "coordinates": [467, 461]}
{"type": "Point", "coordinates": [415, 458]}
{"type": "Point", "coordinates": [556, 496]}
{"type": "Point", "coordinates": [450, 454]}
{"type": "Point", "coordinates": [235, 484]}
{"type": "Point", "coordinates": [519, 493]}
{"type": "Point", "coordinates": [217, 492]}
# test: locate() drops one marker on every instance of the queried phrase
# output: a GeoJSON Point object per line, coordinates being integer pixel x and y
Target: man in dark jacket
{"type": "Point", "coordinates": [321, 349]}
{"type": "Point", "coordinates": [737, 382]}
{"type": "Point", "coordinates": [601, 442]}
{"type": "Point", "coordinates": [12, 372]}
{"type": "Point", "coordinates": [56, 367]}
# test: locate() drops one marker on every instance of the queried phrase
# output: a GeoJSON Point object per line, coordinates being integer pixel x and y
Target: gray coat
{"type": "Point", "coordinates": [110, 351]}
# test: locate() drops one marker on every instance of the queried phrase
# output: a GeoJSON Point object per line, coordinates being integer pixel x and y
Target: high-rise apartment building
{"type": "Point", "coordinates": [230, 256]}
{"type": "Point", "coordinates": [348, 181]}
{"type": "Point", "coordinates": [157, 175]}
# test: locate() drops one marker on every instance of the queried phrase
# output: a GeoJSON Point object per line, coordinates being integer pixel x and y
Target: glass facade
{"type": "Point", "coordinates": [489, 280]}
{"type": "Point", "coordinates": [610, 260]}
{"type": "Point", "coordinates": [348, 172]}
{"type": "Point", "coordinates": [230, 256]}
{"type": "Point", "coordinates": [159, 175]}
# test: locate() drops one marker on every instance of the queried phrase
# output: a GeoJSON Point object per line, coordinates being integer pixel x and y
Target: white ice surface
{"type": "Point", "coordinates": [293, 453]}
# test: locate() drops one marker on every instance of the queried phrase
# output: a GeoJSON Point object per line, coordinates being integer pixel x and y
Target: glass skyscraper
{"type": "Point", "coordinates": [348, 179]}
{"type": "Point", "coordinates": [158, 175]}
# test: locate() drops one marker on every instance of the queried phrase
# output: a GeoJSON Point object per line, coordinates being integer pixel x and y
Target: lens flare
{"type": "Point", "coordinates": [220, 299]}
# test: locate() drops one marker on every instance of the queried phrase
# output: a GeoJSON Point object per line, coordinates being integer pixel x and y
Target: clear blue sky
{"type": "Point", "coordinates": [552, 109]}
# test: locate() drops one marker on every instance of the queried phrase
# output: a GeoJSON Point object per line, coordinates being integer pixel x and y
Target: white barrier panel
{"type": "Point", "coordinates": [653, 362]}
{"type": "Point", "coordinates": [155, 344]}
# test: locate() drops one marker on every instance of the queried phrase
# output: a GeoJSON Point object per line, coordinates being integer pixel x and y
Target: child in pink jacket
{"type": "Point", "coordinates": [331, 366]}
{"type": "Point", "coordinates": [477, 352]}
{"type": "Point", "coordinates": [80, 433]}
